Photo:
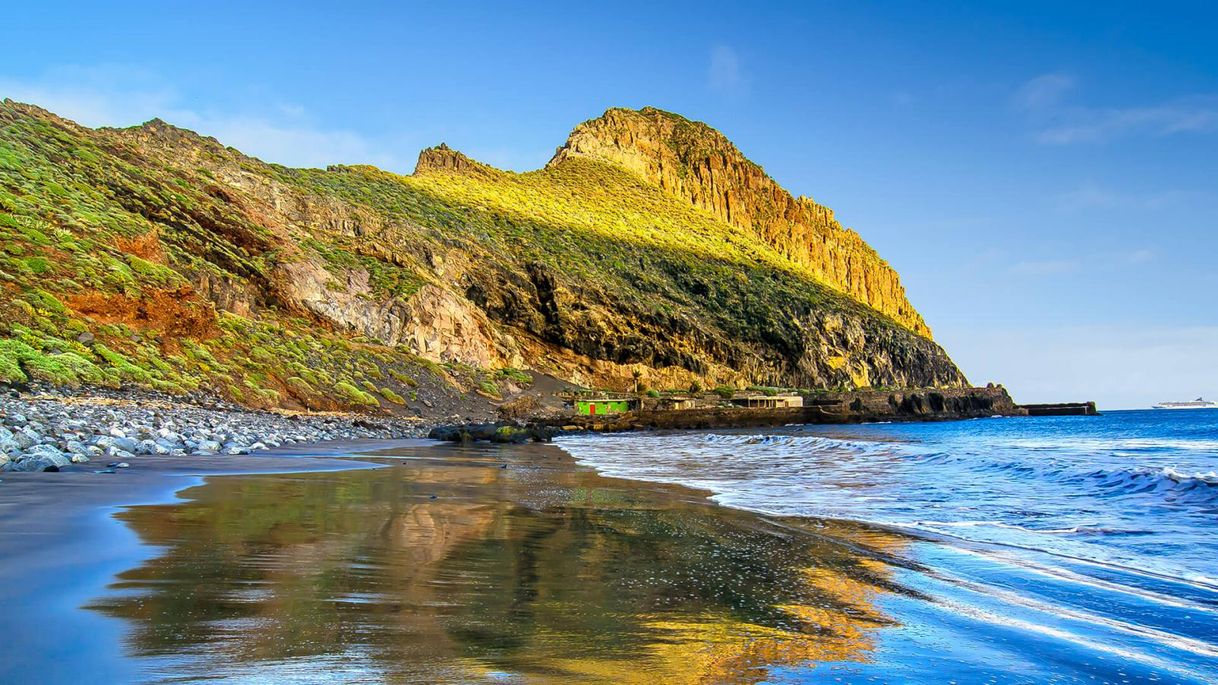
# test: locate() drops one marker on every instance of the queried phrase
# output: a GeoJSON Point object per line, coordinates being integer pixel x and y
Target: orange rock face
{"type": "Point", "coordinates": [695, 162]}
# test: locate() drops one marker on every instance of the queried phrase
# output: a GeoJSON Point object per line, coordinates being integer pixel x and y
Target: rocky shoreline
{"type": "Point", "coordinates": [50, 431]}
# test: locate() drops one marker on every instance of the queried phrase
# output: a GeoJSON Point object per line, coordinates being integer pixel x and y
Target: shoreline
{"type": "Point", "coordinates": [745, 595]}
{"type": "Point", "coordinates": [62, 565]}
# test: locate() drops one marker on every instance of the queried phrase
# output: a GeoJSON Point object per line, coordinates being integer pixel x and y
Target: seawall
{"type": "Point", "coordinates": [847, 407]}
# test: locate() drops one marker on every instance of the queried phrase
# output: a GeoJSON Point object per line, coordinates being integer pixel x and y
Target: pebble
{"type": "Point", "coordinates": [47, 434]}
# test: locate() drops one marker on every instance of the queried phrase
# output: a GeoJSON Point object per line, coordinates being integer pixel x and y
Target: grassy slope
{"type": "Point", "coordinates": [99, 237]}
{"type": "Point", "coordinates": [75, 217]}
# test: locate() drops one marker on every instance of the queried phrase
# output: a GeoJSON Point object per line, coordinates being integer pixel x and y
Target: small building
{"type": "Point", "coordinates": [589, 406]}
{"type": "Point", "coordinates": [768, 401]}
{"type": "Point", "coordinates": [676, 403]}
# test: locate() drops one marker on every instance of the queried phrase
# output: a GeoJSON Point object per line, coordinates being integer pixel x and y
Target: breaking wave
{"type": "Point", "coordinates": [1140, 488]}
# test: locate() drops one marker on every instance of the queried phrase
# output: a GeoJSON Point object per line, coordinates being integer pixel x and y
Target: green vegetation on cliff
{"type": "Point", "coordinates": [155, 257]}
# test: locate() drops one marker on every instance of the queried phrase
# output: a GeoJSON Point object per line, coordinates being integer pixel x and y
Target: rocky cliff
{"type": "Point", "coordinates": [156, 257]}
{"type": "Point", "coordinates": [695, 162]}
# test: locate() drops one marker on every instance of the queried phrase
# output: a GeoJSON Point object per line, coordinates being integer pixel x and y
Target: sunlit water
{"type": "Point", "coordinates": [1089, 540]}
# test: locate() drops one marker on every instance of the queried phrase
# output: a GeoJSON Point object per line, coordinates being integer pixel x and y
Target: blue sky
{"type": "Point", "coordinates": [1043, 175]}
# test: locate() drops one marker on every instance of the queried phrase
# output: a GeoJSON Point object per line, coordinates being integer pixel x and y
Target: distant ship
{"type": "Point", "coordinates": [1195, 404]}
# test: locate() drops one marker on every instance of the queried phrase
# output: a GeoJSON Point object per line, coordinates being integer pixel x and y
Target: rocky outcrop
{"type": "Point", "coordinates": [697, 163]}
{"type": "Point", "coordinates": [444, 158]}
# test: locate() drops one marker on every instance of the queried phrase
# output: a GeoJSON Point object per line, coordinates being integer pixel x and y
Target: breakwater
{"type": "Point", "coordinates": [861, 406]}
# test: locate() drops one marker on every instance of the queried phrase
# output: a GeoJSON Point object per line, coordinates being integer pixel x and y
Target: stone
{"type": "Point", "coordinates": [130, 445]}
{"type": "Point", "coordinates": [85, 338]}
{"type": "Point", "coordinates": [151, 447]}
{"type": "Point", "coordinates": [104, 442]}
{"type": "Point", "coordinates": [209, 447]}
{"type": "Point", "coordinates": [42, 458]}
{"type": "Point", "coordinates": [25, 440]}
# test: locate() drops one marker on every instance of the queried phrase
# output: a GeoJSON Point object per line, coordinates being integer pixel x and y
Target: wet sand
{"type": "Point", "coordinates": [464, 564]}
{"type": "Point", "coordinates": [60, 545]}
{"type": "Point", "coordinates": [437, 563]}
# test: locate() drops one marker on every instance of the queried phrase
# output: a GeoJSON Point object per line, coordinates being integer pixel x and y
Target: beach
{"type": "Point", "coordinates": [420, 562]}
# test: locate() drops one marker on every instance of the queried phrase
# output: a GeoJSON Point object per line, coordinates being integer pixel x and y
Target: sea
{"type": "Point", "coordinates": [1047, 549]}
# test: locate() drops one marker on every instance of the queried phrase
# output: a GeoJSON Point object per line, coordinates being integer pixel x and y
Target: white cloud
{"type": "Point", "coordinates": [127, 96]}
{"type": "Point", "coordinates": [294, 144]}
{"type": "Point", "coordinates": [1120, 366]}
{"type": "Point", "coordinates": [1091, 196]}
{"type": "Point", "coordinates": [1059, 123]}
{"type": "Point", "coordinates": [725, 76]}
{"type": "Point", "coordinates": [1090, 263]}
{"type": "Point", "coordinates": [1097, 125]}
{"type": "Point", "coordinates": [1043, 91]}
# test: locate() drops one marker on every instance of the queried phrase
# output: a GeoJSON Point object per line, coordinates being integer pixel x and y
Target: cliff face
{"type": "Point", "coordinates": [158, 257]}
{"type": "Point", "coordinates": [693, 161]}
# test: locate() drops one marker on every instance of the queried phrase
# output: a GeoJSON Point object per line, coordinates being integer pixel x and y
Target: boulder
{"type": "Point", "coordinates": [208, 447]}
{"type": "Point", "coordinates": [151, 447]}
{"type": "Point", "coordinates": [25, 439]}
{"type": "Point", "coordinates": [42, 458]}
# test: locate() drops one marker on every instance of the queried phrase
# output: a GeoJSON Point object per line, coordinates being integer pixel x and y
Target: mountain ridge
{"type": "Point", "coordinates": [693, 161]}
{"type": "Point", "coordinates": [352, 286]}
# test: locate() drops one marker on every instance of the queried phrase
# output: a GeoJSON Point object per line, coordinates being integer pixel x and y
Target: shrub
{"type": "Point", "coordinates": [516, 375]}
{"type": "Point", "coordinates": [354, 395]}
{"type": "Point", "coordinates": [725, 391]}
{"type": "Point", "coordinates": [10, 366]}
{"type": "Point", "coordinates": [123, 365]}
{"type": "Point", "coordinates": [403, 378]}
{"type": "Point", "coordinates": [68, 369]}
{"type": "Point", "coordinates": [392, 396]}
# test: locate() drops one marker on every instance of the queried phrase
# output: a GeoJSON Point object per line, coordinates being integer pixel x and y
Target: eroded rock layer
{"type": "Point", "coordinates": [697, 163]}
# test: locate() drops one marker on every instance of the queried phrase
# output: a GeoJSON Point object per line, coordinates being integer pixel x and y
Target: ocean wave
{"type": "Point", "coordinates": [1132, 444]}
{"type": "Point", "coordinates": [1072, 530]}
{"type": "Point", "coordinates": [1172, 485]}
{"type": "Point", "coordinates": [814, 443]}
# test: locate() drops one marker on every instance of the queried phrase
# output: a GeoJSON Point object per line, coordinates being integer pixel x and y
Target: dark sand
{"type": "Point", "coordinates": [442, 566]}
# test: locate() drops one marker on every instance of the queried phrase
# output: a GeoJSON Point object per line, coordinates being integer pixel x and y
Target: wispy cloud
{"type": "Point", "coordinates": [1090, 263]}
{"type": "Point", "coordinates": [1086, 125]}
{"type": "Point", "coordinates": [119, 95]}
{"type": "Point", "coordinates": [1092, 196]}
{"type": "Point", "coordinates": [1043, 91]}
{"type": "Point", "coordinates": [1057, 122]}
{"type": "Point", "coordinates": [725, 75]}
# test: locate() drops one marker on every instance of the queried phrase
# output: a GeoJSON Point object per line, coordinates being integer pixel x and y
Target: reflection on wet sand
{"type": "Point", "coordinates": [451, 567]}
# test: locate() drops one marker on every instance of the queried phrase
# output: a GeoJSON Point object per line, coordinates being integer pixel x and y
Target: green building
{"type": "Point", "coordinates": [598, 407]}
